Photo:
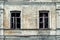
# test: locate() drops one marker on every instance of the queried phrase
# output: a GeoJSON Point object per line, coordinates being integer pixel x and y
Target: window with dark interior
{"type": "Point", "coordinates": [15, 19]}
{"type": "Point", "coordinates": [43, 19]}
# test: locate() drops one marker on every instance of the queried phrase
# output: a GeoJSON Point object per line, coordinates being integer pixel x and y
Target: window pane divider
{"type": "Point", "coordinates": [43, 18]}
{"type": "Point", "coordinates": [15, 19]}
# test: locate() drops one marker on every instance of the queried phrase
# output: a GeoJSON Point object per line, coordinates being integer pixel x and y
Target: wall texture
{"type": "Point", "coordinates": [30, 19]}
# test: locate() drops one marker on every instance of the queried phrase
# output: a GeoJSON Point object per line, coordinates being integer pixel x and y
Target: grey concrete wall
{"type": "Point", "coordinates": [31, 38]}
{"type": "Point", "coordinates": [33, 0]}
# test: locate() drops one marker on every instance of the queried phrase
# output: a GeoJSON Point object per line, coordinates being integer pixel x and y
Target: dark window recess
{"type": "Point", "coordinates": [46, 25]}
{"type": "Point", "coordinates": [18, 23]}
{"type": "Point", "coordinates": [17, 14]}
{"type": "Point", "coordinates": [11, 25]}
{"type": "Point", "coordinates": [11, 20]}
{"type": "Point", "coordinates": [46, 14]}
{"type": "Point", "coordinates": [15, 19]}
{"type": "Point", "coordinates": [12, 14]}
{"type": "Point", "coordinates": [43, 19]}
{"type": "Point", "coordinates": [41, 25]}
{"type": "Point", "coordinates": [46, 20]}
{"type": "Point", "coordinates": [41, 14]}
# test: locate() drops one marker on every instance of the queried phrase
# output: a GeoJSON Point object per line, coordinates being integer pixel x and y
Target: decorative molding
{"type": "Point", "coordinates": [29, 3]}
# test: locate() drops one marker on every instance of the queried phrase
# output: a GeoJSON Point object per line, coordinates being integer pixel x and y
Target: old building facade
{"type": "Point", "coordinates": [29, 19]}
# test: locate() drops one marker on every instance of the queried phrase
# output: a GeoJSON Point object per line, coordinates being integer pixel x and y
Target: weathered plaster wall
{"type": "Point", "coordinates": [30, 19]}
{"type": "Point", "coordinates": [7, 14]}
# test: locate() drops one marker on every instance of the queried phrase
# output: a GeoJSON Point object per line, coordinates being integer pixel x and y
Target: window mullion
{"type": "Point", "coordinates": [13, 22]}
{"type": "Point", "coordinates": [43, 21]}
{"type": "Point", "coordinates": [16, 22]}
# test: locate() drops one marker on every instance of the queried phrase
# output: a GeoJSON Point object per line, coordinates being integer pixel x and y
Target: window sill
{"type": "Point", "coordinates": [45, 29]}
{"type": "Point", "coordinates": [28, 29]}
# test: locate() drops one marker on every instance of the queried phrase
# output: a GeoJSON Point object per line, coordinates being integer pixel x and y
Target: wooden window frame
{"type": "Point", "coordinates": [15, 12]}
{"type": "Point", "coordinates": [43, 19]}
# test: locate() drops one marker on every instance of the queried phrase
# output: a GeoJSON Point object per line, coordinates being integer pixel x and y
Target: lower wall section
{"type": "Point", "coordinates": [30, 38]}
{"type": "Point", "coordinates": [29, 32]}
{"type": "Point", "coordinates": [46, 37]}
